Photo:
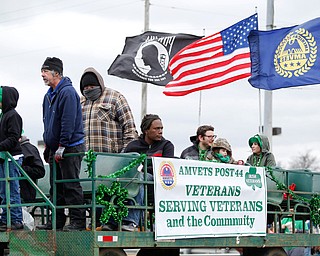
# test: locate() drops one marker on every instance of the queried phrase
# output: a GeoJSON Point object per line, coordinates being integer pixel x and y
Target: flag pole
{"type": "Point", "coordinates": [200, 94]}
{"type": "Point", "coordinates": [267, 128]}
{"type": "Point", "coordinates": [260, 121]}
{"type": "Point", "coordinates": [200, 102]}
{"type": "Point", "coordinates": [144, 93]}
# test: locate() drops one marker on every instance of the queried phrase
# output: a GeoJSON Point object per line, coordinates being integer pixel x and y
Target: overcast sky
{"type": "Point", "coordinates": [92, 33]}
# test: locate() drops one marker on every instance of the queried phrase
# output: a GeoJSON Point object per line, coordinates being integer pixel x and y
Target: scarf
{"type": "Point", "coordinates": [222, 159]}
{"type": "Point", "coordinates": [92, 94]}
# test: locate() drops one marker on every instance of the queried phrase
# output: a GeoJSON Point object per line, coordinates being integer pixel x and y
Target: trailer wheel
{"type": "Point", "coordinates": [159, 252]}
{"type": "Point", "coordinates": [112, 252]}
{"type": "Point", "coordinates": [277, 251]}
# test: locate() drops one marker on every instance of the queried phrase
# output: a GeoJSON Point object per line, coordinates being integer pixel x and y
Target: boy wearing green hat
{"type": "Point", "coordinates": [261, 155]}
{"type": "Point", "coordinates": [10, 132]}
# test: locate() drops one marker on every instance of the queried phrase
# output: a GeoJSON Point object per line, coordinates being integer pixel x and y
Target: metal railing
{"type": "Point", "coordinates": [7, 157]}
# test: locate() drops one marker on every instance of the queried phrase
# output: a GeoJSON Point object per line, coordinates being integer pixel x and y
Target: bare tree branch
{"type": "Point", "coordinates": [305, 161]}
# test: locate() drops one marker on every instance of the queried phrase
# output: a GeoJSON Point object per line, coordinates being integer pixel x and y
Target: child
{"type": "Point", "coordinates": [261, 156]}
{"type": "Point", "coordinates": [32, 164]}
{"type": "Point", "coordinates": [10, 132]}
{"type": "Point", "coordinates": [222, 153]}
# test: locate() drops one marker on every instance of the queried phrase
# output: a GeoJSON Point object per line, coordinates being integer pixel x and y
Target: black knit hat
{"type": "Point", "coordinates": [89, 78]}
{"type": "Point", "coordinates": [53, 63]}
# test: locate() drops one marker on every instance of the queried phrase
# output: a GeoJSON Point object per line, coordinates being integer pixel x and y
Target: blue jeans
{"type": "Point", "coordinates": [133, 214]}
{"type": "Point", "coordinates": [299, 251]}
{"type": "Point", "coordinates": [16, 212]}
{"type": "Point", "coordinates": [307, 251]}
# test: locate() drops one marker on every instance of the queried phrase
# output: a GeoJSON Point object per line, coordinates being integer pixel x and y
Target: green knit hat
{"type": "Point", "coordinates": [255, 139]}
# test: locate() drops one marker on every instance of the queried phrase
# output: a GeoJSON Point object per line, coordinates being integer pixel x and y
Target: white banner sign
{"type": "Point", "coordinates": [205, 199]}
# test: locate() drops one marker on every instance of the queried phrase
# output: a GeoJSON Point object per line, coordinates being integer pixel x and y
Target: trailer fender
{"type": "Point", "coordinates": [159, 252]}
{"type": "Point", "coordinates": [112, 252]}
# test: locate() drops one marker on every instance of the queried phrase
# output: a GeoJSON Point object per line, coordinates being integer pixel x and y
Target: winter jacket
{"type": "Point", "coordinates": [266, 158]}
{"type": "Point", "coordinates": [192, 152]}
{"type": "Point", "coordinates": [32, 164]}
{"type": "Point", "coordinates": [163, 148]}
{"type": "Point", "coordinates": [10, 122]}
{"type": "Point", "coordinates": [62, 116]}
{"type": "Point", "coordinates": [108, 121]}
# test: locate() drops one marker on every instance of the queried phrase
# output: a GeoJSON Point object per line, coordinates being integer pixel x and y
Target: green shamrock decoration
{"type": "Point", "coordinates": [252, 178]}
{"type": "Point", "coordinates": [103, 196]}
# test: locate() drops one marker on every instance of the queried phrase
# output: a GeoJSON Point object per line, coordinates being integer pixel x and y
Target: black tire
{"type": "Point", "coordinates": [159, 252]}
{"type": "Point", "coordinates": [277, 251]}
{"type": "Point", "coordinates": [112, 252]}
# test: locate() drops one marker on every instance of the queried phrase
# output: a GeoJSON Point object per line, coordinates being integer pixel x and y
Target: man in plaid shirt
{"type": "Point", "coordinates": [108, 127]}
{"type": "Point", "coordinates": [108, 121]}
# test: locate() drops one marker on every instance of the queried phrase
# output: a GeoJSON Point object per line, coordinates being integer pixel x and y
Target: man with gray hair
{"type": "Point", "coordinates": [63, 133]}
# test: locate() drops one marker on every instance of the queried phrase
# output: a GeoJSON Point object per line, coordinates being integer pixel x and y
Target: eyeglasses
{"type": "Point", "coordinates": [210, 136]}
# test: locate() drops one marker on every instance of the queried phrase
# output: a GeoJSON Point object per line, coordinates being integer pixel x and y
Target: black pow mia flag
{"type": "Point", "coordinates": [145, 57]}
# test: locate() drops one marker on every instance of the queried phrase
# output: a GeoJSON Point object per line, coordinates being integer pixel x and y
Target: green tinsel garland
{"type": "Point", "coordinates": [122, 171]}
{"type": "Point", "coordinates": [89, 158]}
{"type": "Point", "coordinates": [314, 202]}
{"type": "Point", "coordinates": [104, 194]}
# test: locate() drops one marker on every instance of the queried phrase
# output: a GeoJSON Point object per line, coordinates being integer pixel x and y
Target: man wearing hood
{"type": "Point", "coordinates": [202, 143]}
{"type": "Point", "coordinates": [10, 132]}
{"type": "Point", "coordinates": [261, 156]}
{"type": "Point", "coordinates": [108, 121]}
{"type": "Point", "coordinates": [107, 118]}
{"type": "Point", "coordinates": [63, 134]}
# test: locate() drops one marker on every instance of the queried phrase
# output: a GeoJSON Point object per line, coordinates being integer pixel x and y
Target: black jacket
{"type": "Point", "coordinates": [10, 122]}
{"type": "Point", "coordinates": [162, 148]}
{"type": "Point", "coordinates": [32, 164]}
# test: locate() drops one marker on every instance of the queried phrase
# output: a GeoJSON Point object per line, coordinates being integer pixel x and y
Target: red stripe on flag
{"type": "Point", "coordinates": [212, 61]}
{"type": "Point", "coordinates": [213, 66]}
{"type": "Point", "coordinates": [226, 81]}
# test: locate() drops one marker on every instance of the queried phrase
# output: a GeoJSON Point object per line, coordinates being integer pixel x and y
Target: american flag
{"type": "Point", "coordinates": [212, 61]}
